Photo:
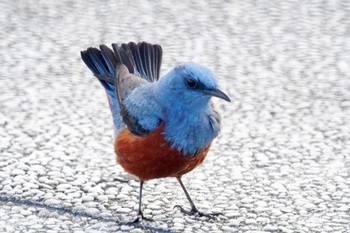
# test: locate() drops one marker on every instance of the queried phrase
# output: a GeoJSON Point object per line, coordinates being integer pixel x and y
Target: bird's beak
{"type": "Point", "coordinates": [217, 93]}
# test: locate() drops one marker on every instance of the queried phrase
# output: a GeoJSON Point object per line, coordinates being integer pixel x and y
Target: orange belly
{"type": "Point", "coordinates": [150, 156]}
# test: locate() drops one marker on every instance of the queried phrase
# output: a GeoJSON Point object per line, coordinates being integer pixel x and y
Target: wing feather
{"type": "Point", "coordinates": [122, 70]}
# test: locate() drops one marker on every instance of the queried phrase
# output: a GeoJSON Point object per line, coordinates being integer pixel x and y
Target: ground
{"type": "Point", "coordinates": [280, 164]}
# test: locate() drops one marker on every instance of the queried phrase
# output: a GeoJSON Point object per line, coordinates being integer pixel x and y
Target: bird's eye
{"type": "Point", "coordinates": [191, 82]}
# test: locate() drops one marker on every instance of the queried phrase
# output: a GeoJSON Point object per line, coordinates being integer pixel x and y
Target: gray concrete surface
{"type": "Point", "coordinates": [281, 163]}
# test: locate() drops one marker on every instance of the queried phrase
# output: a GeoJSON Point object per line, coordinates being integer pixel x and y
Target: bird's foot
{"type": "Point", "coordinates": [194, 211]}
{"type": "Point", "coordinates": [140, 218]}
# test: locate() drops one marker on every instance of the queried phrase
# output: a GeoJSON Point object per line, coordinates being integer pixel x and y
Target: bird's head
{"type": "Point", "coordinates": [192, 84]}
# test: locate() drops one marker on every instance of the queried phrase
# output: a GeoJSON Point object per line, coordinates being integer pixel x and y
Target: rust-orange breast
{"type": "Point", "coordinates": [150, 156]}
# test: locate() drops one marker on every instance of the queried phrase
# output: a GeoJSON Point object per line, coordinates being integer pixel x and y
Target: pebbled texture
{"type": "Point", "coordinates": [281, 163]}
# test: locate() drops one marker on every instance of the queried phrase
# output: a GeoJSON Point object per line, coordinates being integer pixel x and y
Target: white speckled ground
{"type": "Point", "coordinates": [281, 163]}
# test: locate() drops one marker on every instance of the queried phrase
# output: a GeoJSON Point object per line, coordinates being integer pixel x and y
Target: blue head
{"type": "Point", "coordinates": [190, 84]}
{"type": "Point", "coordinates": [190, 121]}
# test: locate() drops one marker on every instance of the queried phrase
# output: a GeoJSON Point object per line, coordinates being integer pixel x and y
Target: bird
{"type": "Point", "coordinates": [163, 127]}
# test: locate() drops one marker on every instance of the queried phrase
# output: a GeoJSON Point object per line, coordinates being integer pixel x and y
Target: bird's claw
{"type": "Point", "coordinates": [140, 218]}
{"type": "Point", "coordinates": [195, 211]}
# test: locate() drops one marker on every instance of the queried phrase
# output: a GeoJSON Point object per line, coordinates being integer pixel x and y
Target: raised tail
{"type": "Point", "coordinates": [142, 59]}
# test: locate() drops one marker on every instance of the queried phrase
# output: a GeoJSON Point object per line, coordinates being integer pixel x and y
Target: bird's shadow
{"type": "Point", "coordinates": [33, 203]}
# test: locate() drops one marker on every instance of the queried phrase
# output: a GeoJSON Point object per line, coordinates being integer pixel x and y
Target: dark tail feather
{"type": "Point", "coordinates": [158, 60]}
{"type": "Point", "coordinates": [97, 59]}
{"type": "Point", "coordinates": [110, 59]}
{"type": "Point", "coordinates": [137, 58]}
{"type": "Point", "coordinates": [96, 63]}
{"type": "Point", "coordinates": [142, 59]}
{"type": "Point", "coordinates": [88, 62]}
{"type": "Point", "coordinates": [146, 51]}
{"type": "Point", "coordinates": [123, 56]}
{"type": "Point", "coordinates": [103, 65]}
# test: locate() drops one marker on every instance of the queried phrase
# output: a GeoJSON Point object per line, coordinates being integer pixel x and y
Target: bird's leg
{"type": "Point", "coordinates": [140, 216]}
{"type": "Point", "coordinates": [194, 210]}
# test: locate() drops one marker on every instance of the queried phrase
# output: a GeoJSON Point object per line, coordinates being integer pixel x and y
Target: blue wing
{"type": "Point", "coordinates": [127, 67]}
